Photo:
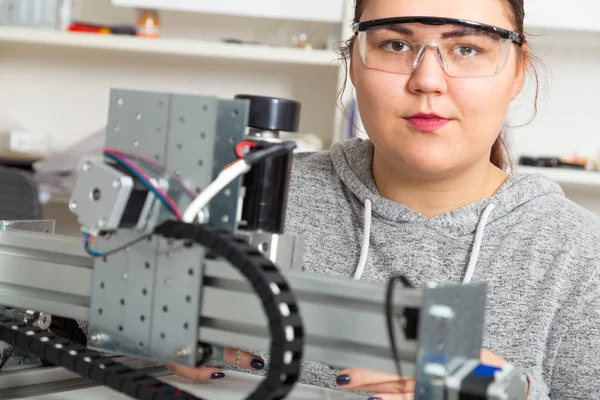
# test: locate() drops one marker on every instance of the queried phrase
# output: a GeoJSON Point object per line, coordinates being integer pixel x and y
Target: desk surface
{"type": "Point", "coordinates": [235, 386]}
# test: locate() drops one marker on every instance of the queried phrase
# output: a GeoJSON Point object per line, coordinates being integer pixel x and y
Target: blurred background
{"type": "Point", "coordinates": [60, 58]}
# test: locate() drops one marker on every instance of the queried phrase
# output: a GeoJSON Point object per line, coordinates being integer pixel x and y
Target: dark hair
{"type": "Point", "coordinates": [499, 156]}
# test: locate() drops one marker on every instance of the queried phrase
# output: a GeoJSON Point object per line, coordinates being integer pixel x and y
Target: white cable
{"type": "Point", "coordinates": [364, 250]}
{"type": "Point", "coordinates": [477, 244]}
{"type": "Point", "coordinates": [226, 176]}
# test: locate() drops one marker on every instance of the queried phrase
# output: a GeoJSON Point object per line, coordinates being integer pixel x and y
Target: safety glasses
{"type": "Point", "coordinates": [465, 49]}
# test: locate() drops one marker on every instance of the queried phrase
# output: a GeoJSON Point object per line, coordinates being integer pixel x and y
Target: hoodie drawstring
{"type": "Point", "coordinates": [477, 244]}
{"type": "Point", "coordinates": [364, 250]}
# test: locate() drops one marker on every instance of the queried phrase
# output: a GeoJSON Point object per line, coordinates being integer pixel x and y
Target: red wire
{"type": "Point", "coordinates": [141, 173]}
{"type": "Point", "coordinates": [155, 165]}
{"type": "Point", "coordinates": [241, 146]}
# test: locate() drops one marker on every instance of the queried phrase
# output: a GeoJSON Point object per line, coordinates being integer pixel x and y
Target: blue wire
{"type": "Point", "coordinates": [88, 249]}
{"type": "Point", "coordinates": [144, 181]}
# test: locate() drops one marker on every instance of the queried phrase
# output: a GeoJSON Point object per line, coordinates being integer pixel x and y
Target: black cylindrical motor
{"type": "Point", "coordinates": [267, 184]}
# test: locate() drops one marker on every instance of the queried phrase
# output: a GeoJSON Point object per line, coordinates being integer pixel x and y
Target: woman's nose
{"type": "Point", "coordinates": [429, 75]}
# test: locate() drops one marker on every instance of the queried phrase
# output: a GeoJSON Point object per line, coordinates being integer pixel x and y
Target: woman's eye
{"type": "Point", "coordinates": [395, 47]}
{"type": "Point", "coordinates": [466, 51]}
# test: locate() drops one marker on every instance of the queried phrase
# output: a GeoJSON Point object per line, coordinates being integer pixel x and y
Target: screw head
{"type": "Point", "coordinates": [96, 338]}
{"type": "Point", "coordinates": [44, 321]}
{"type": "Point", "coordinates": [120, 101]}
{"type": "Point", "coordinates": [102, 222]}
{"type": "Point", "coordinates": [136, 143]}
{"type": "Point", "coordinates": [116, 184]}
{"type": "Point", "coordinates": [182, 353]}
{"type": "Point", "coordinates": [86, 166]}
{"type": "Point", "coordinates": [72, 205]}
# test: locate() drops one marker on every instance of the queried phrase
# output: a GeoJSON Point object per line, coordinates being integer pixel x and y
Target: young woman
{"type": "Point", "coordinates": [428, 195]}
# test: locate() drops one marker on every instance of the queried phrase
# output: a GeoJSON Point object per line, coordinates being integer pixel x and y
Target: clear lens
{"type": "Point", "coordinates": [462, 51]}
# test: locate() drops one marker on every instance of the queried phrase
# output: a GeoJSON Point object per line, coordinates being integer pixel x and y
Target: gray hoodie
{"type": "Point", "coordinates": [538, 252]}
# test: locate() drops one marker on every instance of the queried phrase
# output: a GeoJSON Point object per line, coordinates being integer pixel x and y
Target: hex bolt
{"type": "Point", "coordinates": [182, 353]}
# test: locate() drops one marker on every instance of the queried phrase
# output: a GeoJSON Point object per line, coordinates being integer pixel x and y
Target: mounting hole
{"type": "Point", "coordinates": [101, 285]}
{"type": "Point", "coordinates": [147, 265]}
{"type": "Point", "coordinates": [205, 107]}
{"type": "Point", "coordinates": [138, 116]}
{"type": "Point", "coordinates": [157, 157]}
{"type": "Point", "coordinates": [186, 325]}
{"type": "Point", "coordinates": [141, 345]}
{"type": "Point", "coordinates": [165, 309]}
{"type": "Point", "coordinates": [161, 103]}
{"type": "Point", "coordinates": [231, 140]}
{"type": "Point", "coordinates": [117, 127]}
{"type": "Point", "coordinates": [136, 143]}
{"type": "Point", "coordinates": [264, 247]}
{"type": "Point", "coordinates": [100, 311]}
{"type": "Point", "coordinates": [120, 101]}
{"type": "Point", "coordinates": [162, 335]}
{"type": "Point", "coordinates": [142, 318]}
{"type": "Point", "coordinates": [235, 113]}
{"type": "Point", "coordinates": [182, 119]}
{"type": "Point", "coordinates": [188, 299]}
{"type": "Point", "coordinates": [120, 328]}
{"type": "Point", "coordinates": [122, 302]}
{"type": "Point", "coordinates": [203, 135]}
{"type": "Point", "coordinates": [227, 192]}
{"type": "Point", "coordinates": [179, 146]}
{"type": "Point", "coordinates": [190, 272]}
{"type": "Point", "coordinates": [198, 190]}
{"type": "Point", "coordinates": [144, 291]}
{"type": "Point", "coordinates": [200, 162]}
{"type": "Point", "coordinates": [158, 130]}
{"type": "Point", "coordinates": [225, 219]}
{"type": "Point", "coordinates": [95, 194]}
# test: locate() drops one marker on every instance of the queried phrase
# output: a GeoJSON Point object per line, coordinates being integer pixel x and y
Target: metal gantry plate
{"type": "Point", "coordinates": [138, 123]}
{"type": "Point", "coordinates": [175, 321]}
{"type": "Point", "coordinates": [145, 302]}
{"type": "Point", "coordinates": [231, 129]}
{"type": "Point", "coordinates": [122, 296]}
{"type": "Point", "coordinates": [450, 331]}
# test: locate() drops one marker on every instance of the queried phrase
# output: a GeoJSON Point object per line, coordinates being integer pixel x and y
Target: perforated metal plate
{"type": "Point", "coordinates": [152, 307]}
{"type": "Point", "coordinates": [450, 331]}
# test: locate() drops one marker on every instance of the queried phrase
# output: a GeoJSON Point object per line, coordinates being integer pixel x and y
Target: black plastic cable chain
{"type": "Point", "coordinates": [279, 303]}
{"type": "Point", "coordinates": [87, 363]}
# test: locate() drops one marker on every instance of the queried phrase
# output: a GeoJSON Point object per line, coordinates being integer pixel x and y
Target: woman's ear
{"type": "Point", "coordinates": [519, 82]}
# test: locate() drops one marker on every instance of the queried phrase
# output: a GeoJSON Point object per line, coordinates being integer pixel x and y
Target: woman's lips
{"type": "Point", "coordinates": [427, 123]}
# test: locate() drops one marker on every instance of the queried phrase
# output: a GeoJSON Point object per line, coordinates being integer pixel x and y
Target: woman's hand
{"type": "Point", "coordinates": [391, 386]}
{"type": "Point", "coordinates": [206, 374]}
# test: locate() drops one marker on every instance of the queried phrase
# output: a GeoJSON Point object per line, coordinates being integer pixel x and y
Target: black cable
{"type": "Point", "coordinates": [389, 315]}
{"type": "Point", "coordinates": [258, 156]}
{"type": "Point", "coordinates": [121, 248]}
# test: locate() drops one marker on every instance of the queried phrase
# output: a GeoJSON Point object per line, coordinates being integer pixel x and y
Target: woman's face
{"type": "Point", "coordinates": [475, 107]}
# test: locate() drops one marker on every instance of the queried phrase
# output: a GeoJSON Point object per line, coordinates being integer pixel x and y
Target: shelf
{"type": "Point", "coordinates": [566, 177]}
{"type": "Point", "coordinates": [169, 47]}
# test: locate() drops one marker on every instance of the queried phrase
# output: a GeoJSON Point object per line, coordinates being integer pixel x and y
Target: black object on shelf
{"type": "Point", "coordinates": [548, 162]}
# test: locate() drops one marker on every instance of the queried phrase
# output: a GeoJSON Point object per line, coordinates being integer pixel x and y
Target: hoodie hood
{"type": "Point", "coordinates": [353, 159]}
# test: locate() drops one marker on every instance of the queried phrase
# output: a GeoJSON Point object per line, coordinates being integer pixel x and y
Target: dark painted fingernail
{"type": "Point", "coordinates": [257, 364]}
{"type": "Point", "coordinates": [343, 380]}
{"type": "Point", "coordinates": [374, 398]}
{"type": "Point", "coordinates": [217, 375]}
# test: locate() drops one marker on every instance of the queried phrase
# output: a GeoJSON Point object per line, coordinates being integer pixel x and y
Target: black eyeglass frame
{"type": "Point", "coordinates": [503, 33]}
